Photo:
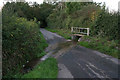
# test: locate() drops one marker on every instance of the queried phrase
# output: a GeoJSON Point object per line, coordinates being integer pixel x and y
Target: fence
{"type": "Point", "coordinates": [78, 30]}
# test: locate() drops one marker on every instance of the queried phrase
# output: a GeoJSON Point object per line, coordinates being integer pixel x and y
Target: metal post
{"type": "Point", "coordinates": [71, 29]}
{"type": "Point", "coordinates": [88, 31]}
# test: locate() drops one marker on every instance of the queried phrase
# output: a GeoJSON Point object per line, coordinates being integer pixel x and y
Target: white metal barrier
{"type": "Point", "coordinates": [78, 30]}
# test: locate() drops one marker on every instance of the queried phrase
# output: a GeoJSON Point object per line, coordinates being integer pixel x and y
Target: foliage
{"type": "Point", "coordinates": [90, 15]}
{"type": "Point", "coordinates": [75, 6]}
{"type": "Point", "coordinates": [21, 9]}
{"type": "Point", "coordinates": [21, 40]}
{"type": "Point", "coordinates": [45, 9]}
{"type": "Point", "coordinates": [46, 69]}
{"type": "Point", "coordinates": [100, 44]}
{"type": "Point", "coordinates": [107, 26]}
{"type": "Point", "coordinates": [79, 15]}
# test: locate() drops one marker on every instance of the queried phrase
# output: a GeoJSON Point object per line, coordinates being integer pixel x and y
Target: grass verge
{"type": "Point", "coordinates": [46, 69]}
{"type": "Point", "coordinates": [66, 33]}
{"type": "Point", "coordinates": [102, 45]}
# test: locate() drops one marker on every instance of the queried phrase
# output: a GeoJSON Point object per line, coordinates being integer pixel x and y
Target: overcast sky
{"type": "Point", "coordinates": [111, 4]}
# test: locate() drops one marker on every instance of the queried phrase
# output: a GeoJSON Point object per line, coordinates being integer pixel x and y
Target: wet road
{"type": "Point", "coordinates": [51, 38]}
{"type": "Point", "coordinates": [80, 62]}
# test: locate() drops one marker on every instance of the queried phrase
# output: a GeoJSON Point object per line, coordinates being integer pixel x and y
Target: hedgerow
{"type": "Point", "coordinates": [106, 26]}
{"type": "Point", "coordinates": [21, 42]}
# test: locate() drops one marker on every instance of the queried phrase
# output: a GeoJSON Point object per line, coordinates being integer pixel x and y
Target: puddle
{"type": "Point", "coordinates": [63, 47]}
{"type": "Point", "coordinates": [55, 50]}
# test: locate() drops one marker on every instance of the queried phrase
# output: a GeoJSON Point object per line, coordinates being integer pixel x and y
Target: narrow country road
{"type": "Point", "coordinates": [80, 62]}
{"type": "Point", "coordinates": [51, 38]}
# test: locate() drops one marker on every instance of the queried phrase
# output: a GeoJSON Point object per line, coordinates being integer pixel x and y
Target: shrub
{"type": "Point", "coordinates": [107, 26]}
{"type": "Point", "coordinates": [22, 41]}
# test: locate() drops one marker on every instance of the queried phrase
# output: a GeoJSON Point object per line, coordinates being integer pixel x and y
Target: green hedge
{"type": "Point", "coordinates": [107, 26]}
{"type": "Point", "coordinates": [22, 41]}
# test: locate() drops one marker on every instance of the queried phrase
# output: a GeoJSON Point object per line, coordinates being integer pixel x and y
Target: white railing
{"type": "Point", "coordinates": [79, 30]}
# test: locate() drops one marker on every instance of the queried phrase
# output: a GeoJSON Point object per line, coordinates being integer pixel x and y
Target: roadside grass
{"type": "Point", "coordinates": [42, 45]}
{"type": "Point", "coordinates": [45, 69]}
{"type": "Point", "coordinates": [66, 33]}
{"type": "Point", "coordinates": [102, 45]}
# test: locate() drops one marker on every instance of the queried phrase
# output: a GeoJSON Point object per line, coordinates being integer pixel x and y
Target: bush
{"type": "Point", "coordinates": [22, 41]}
{"type": "Point", "coordinates": [81, 15]}
{"type": "Point", "coordinates": [107, 26]}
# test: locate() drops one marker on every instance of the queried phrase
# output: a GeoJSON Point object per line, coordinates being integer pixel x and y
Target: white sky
{"type": "Point", "coordinates": [111, 4]}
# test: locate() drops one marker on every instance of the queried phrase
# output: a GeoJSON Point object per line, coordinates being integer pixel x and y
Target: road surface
{"type": "Point", "coordinates": [80, 62]}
